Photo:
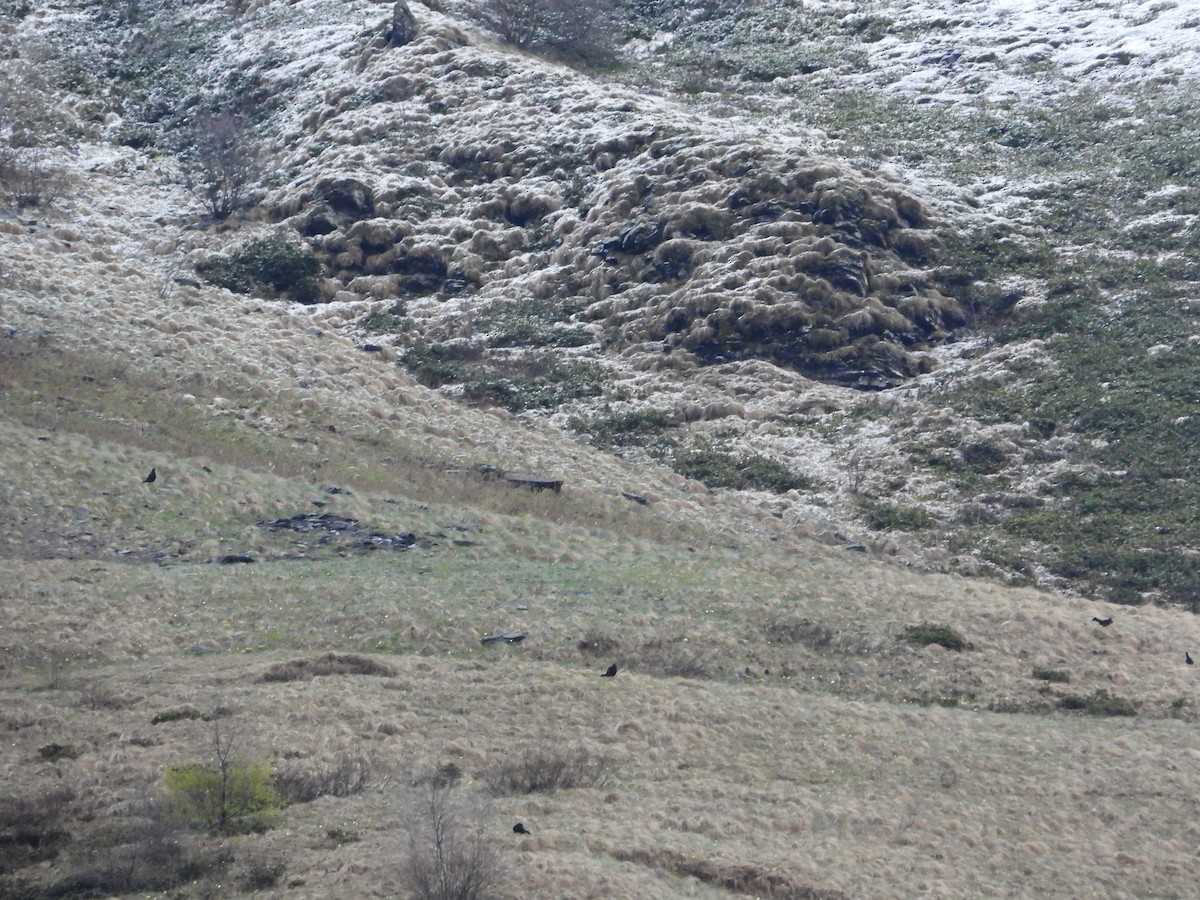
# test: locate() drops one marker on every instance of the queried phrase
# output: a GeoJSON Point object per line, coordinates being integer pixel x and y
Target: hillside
{"type": "Point", "coordinates": [860, 343]}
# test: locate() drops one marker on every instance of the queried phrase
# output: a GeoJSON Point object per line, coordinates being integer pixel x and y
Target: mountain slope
{"type": "Point", "coordinates": [565, 265]}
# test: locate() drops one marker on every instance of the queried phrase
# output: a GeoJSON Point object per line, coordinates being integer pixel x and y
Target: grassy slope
{"type": "Point", "coordinates": [807, 739]}
{"type": "Point", "coordinates": [848, 766]}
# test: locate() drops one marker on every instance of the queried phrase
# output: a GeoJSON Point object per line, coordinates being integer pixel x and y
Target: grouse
{"type": "Point", "coordinates": [149, 479]}
{"type": "Point", "coordinates": [610, 672]}
{"type": "Point", "coordinates": [1104, 623]}
{"type": "Point", "coordinates": [521, 829]}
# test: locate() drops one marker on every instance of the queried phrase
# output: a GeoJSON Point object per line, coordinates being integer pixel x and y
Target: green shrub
{"type": "Point", "coordinates": [928, 633]}
{"type": "Point", "coordinates": [381, 322]}
{"type": "Point", "coordinates": [749, 471]}
{"type": "Point", "coordinates": [622, 429]}
{"type": "Point", "coordinates": [1101, 703]}
{"type": "Point", "coordinates": [175, 715]}
{"type": "Point", "coordinates": [1054, 676]}
{"type": "Point", "coordinates": [436, 364]}
{"type": "Point", "coordinates": [886, 516]}
{"type": "Point", "coordinates": [226, 797]}
{"type": "Point", "coordinates": [272, 265]}
{"type": "Point", "coordinates": [983, 457]}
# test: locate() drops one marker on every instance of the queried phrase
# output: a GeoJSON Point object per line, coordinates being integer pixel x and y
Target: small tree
{"type": "Point", "coordinates": [225, 796]}
{"type": "Point", "coordinates": [516, 21]}
{"type": "Point", "coordinates": [221, 164]}
{"type": "Point", "coordinates": [586, 30]}
{"type": "Point", "coordinates": [449, 857]}
{"type": "Point", "coordinates": [28, 125]}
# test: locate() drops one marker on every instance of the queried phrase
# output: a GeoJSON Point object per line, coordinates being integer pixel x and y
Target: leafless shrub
{"type": "Point", "coordinates": [449, 857]}
{"type": "Point", "coordinates": [784, 630]}
{"type": "Point", "coordinates": [221, 164]}
{"type": "Point", "coordinates": [27, 126]}
{"type": "Point", "coordinates": [329, 664]}
{"type": "Point", "coordinates": [581, 29]}
{"type": "Point", "coordinates": [597, 644]}
{"type": "Point", "coordinates": [32, 827]}
{"type": "Point", "coordinates": [97, 695]}
{"type": "Point", "coordinates": [147, 852]}
{"type": "Point", "coordinates": [53, 665]}
{"type": "Point", "coordinates": [341, 775]}
{"type": "Point", "coordinates": [544, 771]}
{"type": "Point", "coordinates": [516, 21]}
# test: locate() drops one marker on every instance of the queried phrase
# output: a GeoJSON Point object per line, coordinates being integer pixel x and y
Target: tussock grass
{"type": "Point", "coordinates": [329, 664]}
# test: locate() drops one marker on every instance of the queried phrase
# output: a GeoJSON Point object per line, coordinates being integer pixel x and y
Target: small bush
{"type": "Point", "coordinates": [28, 124]}
{"type": "Point", "coordinates": [449, 857]}
{"type": "Point", "coordinates": [984, 457]}
{"type": "Point", "coordinates": [749, 471]}
{"type": "Point", "coordinates": [55, 752]}
{"type": "Point", "coordinates": [886, 516]}
{"type": "Point", "coordinates": [342, 775]}
{"type": "Point", "coordinates": [220, 163]}
{"type": "Point", "coordinates": [943, 635]}
{"type": "Point", "coordinates": [597, 644]}
{"type": "Point", "coordinates": [382, 322]}
{"type": "Point", "coordinates": [329, 664]}
{"type": "Point", "coordinates": [1054, 676]}
{"type": "Point", "coordinates": [226, 797]}
{"type": "Point", "coordinates": [622, 429]}
{"type": "Point", "coordinates": [259, 874]}
{"type": "Point", "coordinates": [1101, 703]}
{"type": "Point", "coordinates": [32, 827]}
{"type": "Point", "coordinates": [798, 631]}
{"type": "Point", "coordinates": [273, 266]}
{"type": "Point", "coordinates": [583, 30]}
{"type": "Point", "coordinates": [434, 365]}
{"type": "Point", "coordinates": [673, 657]}
{"type": "Point", "coordinates": [176, 715]}
{"type": "Point", "coordinates": [546, 771]}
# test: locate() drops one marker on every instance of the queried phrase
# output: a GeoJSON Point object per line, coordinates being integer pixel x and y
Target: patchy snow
{"type": "Point", "coordinates": [1015, 51]}
{"type": "Point", "coordinates": [103, 264]}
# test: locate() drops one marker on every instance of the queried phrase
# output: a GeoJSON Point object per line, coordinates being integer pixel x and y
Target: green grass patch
{"type": "Point", "coordinates": [942, 635]}
{"type": "Point", "coordinates": [745, 471]}
{"type": "Point", "coordinates": [273, 266]}
{"type": "Point", "coordinates": [1100, 703]}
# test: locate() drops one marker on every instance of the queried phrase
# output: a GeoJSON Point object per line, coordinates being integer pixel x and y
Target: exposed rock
{"type": "Point", "coordinates": [404, 25]}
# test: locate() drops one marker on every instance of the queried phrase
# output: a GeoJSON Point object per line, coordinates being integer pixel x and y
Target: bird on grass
{"type": "Point", "coordinates": [149, 479]}
{"type": "Point", "coordinates": [1187, 658]}
{"type": "Point", "coordinates": [1103, 623]}
{"type": "Point", "coordinates": [521, 829]}
{"type": "Point", "coordinates": [610, 672]}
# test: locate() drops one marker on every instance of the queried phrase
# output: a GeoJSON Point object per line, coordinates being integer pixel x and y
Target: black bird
{"type": "Point", "coordinates": [521, 829]}
{"type": "Point", "coordinates": [610, 672]}
{"type": "Point", "coordinates": [1187, 658]}
{"type": "Point", "coordinates": [1103, 623]}
{"type": "Point", "coordinates": [149, 479]}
